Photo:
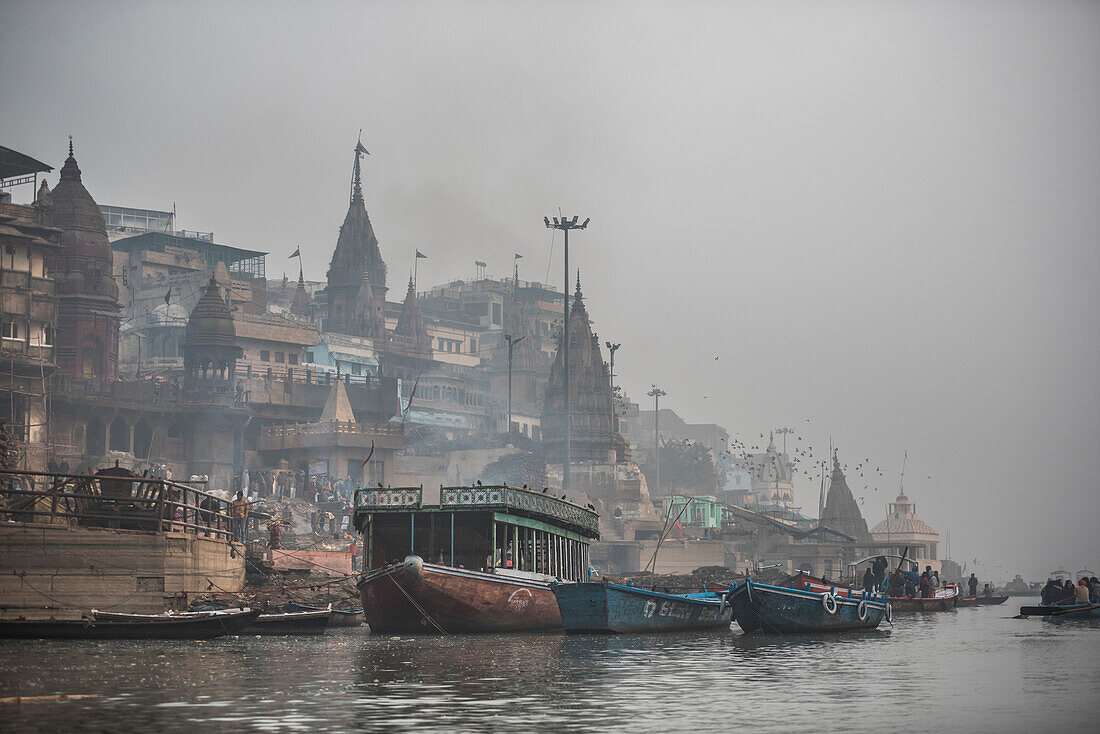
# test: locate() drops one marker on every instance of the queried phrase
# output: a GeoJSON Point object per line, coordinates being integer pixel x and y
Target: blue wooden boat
{"type": "Point", "coordinates": [1064, 612]}
{"type": "Point", "coordinates": [766, 608]}
{"type": "Point", "coordinates": [614, 608]}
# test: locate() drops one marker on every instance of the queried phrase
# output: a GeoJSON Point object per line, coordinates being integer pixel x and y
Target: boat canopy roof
{"type": "Point", "coordinates": [488, 498]}
{"type": "Point", "coordinates": [908, 561]}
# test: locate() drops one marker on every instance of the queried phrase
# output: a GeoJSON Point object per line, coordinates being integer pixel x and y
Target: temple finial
{"type": "Point", "coordinates": [578, 282]}
{"type": "Point", "coordinates": [356, 182]}
{"type": "Point", "coordinates": [70, 146]}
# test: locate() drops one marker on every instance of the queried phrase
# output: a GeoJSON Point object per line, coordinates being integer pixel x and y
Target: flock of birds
{"type": "Point", "coordinates": [763, 466]}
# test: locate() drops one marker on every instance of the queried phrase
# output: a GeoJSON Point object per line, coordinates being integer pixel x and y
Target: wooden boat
{"type": "Point", "coordinates": [979, 601]}
{"type": "Point", "coordinates": [610, 608]}
{"type": "Point", "coordinates": [497, 548]}
{"type": "Point", "coordinates": [291, 623]}
{"type": "Point", "coordinates": [943, 599]}
{"type": "Point", "coordinates": [133, 626]}
{"type": "Point", "coordinates": [1059, 612]}
{"type": "Point", "coordinates": [340, 617]}
{"type": "Point", "coordinates": [765, 608]}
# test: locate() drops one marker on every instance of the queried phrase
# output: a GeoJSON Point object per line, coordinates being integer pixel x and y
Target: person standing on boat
{"type": "Point", "coordinates": [973, 584]}
{"type": "Point", "coordinates": [878, 567]}
{"type": "Point", "coordinates": [869, 581]}
{"type": "Point", "coordinates": [926, 583]}
{"type": "Point", "coordinates": [238, 512]}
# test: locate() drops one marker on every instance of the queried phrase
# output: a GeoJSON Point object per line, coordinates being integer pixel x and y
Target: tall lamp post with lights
{"type": "Point", "coordinates": [612, 348]}
{"type": "Point", "coordinates": [657, 393]}
{"type": "Point", "coordinates": [565, 224]}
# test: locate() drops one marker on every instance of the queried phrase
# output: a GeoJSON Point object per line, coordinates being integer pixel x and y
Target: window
{"type": "Point", "coordinates": [47, 335]}
{"type": "Point", "coordinates": [280, 357]}
{"type": "Point", "coordinates": [309, 357]}
{"type": "Point", "coordinates": [265, 356]}
{"type": "Point", "coordinates": [292, 358]}
{"type": "Point", "coordinates": [10, 330]}
{"type": "Point", "coordinates": [496, 313]}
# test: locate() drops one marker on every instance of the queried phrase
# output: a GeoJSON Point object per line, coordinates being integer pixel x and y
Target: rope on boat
{"type": "Point", "coordinates": [419, 608]}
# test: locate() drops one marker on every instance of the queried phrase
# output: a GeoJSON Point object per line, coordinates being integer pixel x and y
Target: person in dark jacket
{"type": "Point", "coordinates": [973, 584]}
{"type": "Point", "coordinates": [869, 580]}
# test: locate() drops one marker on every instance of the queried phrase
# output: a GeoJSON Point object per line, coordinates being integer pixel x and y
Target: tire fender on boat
{"type": "Point", "coordinates": [829, 602]}
{"type": "Point", "coordinates": [861, 610]}
{"type": "Point", "coordinates": [889, 613]}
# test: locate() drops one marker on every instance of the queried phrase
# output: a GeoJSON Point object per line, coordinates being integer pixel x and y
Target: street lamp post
{"type": "Point", "coordinates": [657, 393]}
{"type": "Point", "coordinates": [565, 224]}
{"type": "Point", "coordinates": [612, 348]}
{"type": "Point", "coordinates": [511, 345]}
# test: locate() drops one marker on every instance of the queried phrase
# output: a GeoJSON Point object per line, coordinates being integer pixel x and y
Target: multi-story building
{"type": "Point", "coordinates": [28, 309]}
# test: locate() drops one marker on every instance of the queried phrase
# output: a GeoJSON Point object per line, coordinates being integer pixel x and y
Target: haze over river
{"type": "Point", "coordinates": [971, 670]}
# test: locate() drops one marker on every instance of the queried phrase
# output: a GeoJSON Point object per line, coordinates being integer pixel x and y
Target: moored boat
{"type": "Point", "coordinates": [497, 550]}
{"type": "Point", "coordinates": [291, 623]}
{"type": "Point", "coordinates": [102, 626]}
{"type": "Point", "coordinates": [340, 617]}
{"type": "Point", "coordinates": [611, 608]}
{"type": "Point", "coordinates": [766, 608]}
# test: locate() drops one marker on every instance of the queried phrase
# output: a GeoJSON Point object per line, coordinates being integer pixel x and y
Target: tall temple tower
{"type": "Point", "coordinates": [841, 510]}
{"type": "Point", "coordinates": [593, 436]}
{"type": "Point", "coordinates": [356, 255]}
{"type": "Point", "coordinates": [88, 310]}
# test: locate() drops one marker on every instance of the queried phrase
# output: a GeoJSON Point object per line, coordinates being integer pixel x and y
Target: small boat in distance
{"type": "Point", "coordinates": [615, 608]}
{"type": "Point", "coordinates": [1062, 612]}
{"type": "Point", "coordinates": [114, 626]}
{"type": "Point", "coordinates": [496, 550]}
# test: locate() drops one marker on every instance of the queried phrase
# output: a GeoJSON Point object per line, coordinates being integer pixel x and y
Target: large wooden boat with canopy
{"type": "Point", "coordinates": [481, 560]}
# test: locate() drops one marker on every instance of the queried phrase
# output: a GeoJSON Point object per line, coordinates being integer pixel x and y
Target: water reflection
{"type": "Point", "coordinates": [978, 669]}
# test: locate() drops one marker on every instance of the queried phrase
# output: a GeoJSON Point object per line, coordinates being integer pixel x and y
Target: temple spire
{"type": "Point", "coordinates": [356, 181]}
{"type": "Point", "coordinates": [70, 146]}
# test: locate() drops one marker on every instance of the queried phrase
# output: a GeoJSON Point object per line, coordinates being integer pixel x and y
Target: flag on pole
{"type": "Point", "coordinates": [297, 252]}
{"type": "Point", "coordinates": [360, 149]}
{"type": "Point", "coordinates": [518, 257]}
{"type": "Point", "coordinates": [168, 296]}
{"type": "Point", "coordinates": [420, 255]}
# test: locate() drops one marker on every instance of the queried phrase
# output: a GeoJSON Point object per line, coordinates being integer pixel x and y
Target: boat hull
{"type": "Point", "coordinates": [765, 608]}
{"type": "Point", "coordinates": [340, 617]}
{"type": "Point", "coordinates": [291, 623]}
{"type": "Point", "coordinates": [919, 604]}
{"type": "Point", "coordinates": [413, 596]}
{"type": "Point", "coordinates": [613, 608]}
{"type": "Point", "coordinates": [167, 628]}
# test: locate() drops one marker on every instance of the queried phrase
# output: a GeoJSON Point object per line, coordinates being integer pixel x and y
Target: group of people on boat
{"type": "Point", "coordinates": [1057, 592]}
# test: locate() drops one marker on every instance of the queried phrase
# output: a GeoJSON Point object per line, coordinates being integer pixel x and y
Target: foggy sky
{"type": "Point", "coordinates": [881, 217]}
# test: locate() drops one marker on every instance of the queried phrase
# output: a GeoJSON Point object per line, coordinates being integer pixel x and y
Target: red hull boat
{"type": "Point", "coordinates": [496, 551]}
{"type": "Point", "coordinates": [413, 596]}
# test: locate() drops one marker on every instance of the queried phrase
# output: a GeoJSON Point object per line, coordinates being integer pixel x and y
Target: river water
{"type": "Point", "coordinates": [975, 670]}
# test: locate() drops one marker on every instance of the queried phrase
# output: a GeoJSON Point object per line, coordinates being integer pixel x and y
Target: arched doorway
{"type": "Point", "coordinates": [94, 438]}
{"type": "Point", "coordinates": [143, 439]}
{"type": "Point", "coordinates": [119, 440]}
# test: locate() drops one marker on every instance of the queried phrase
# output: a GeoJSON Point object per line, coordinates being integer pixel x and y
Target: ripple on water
{"type": "Point", "coordinates": [984, 671]}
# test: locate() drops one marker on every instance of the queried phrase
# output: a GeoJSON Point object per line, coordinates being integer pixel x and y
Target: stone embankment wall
{"type": "Point", "coordinates": [64, 571]}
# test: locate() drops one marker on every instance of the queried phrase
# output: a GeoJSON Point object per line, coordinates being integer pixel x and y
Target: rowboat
{"type": "Point", "coordinates": [292, 623]}
{"type": "Point", "coordinates": [103, 626]}
{"type": "Point", "coordinates": [943, 599]}
{"type": "Point", "coordinates": [765, 608]}
{"type": "Point", "coordinates": [340, 617]}
{"type": "Point", "coordinates": [496, 551]}
{"type": "Point", "coordinates": [1060, 612]}
{"type": "Point", "coordinates": [610, 608]}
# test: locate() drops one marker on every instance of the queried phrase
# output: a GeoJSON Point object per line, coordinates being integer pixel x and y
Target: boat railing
{"type": "Point", "coordinates": [390, 498]}
{"type": "Point", "coordinates": [112, 500]}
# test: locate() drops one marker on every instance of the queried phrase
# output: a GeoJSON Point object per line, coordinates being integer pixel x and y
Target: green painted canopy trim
{"type": "Point", "coordinates": [536, 525]}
